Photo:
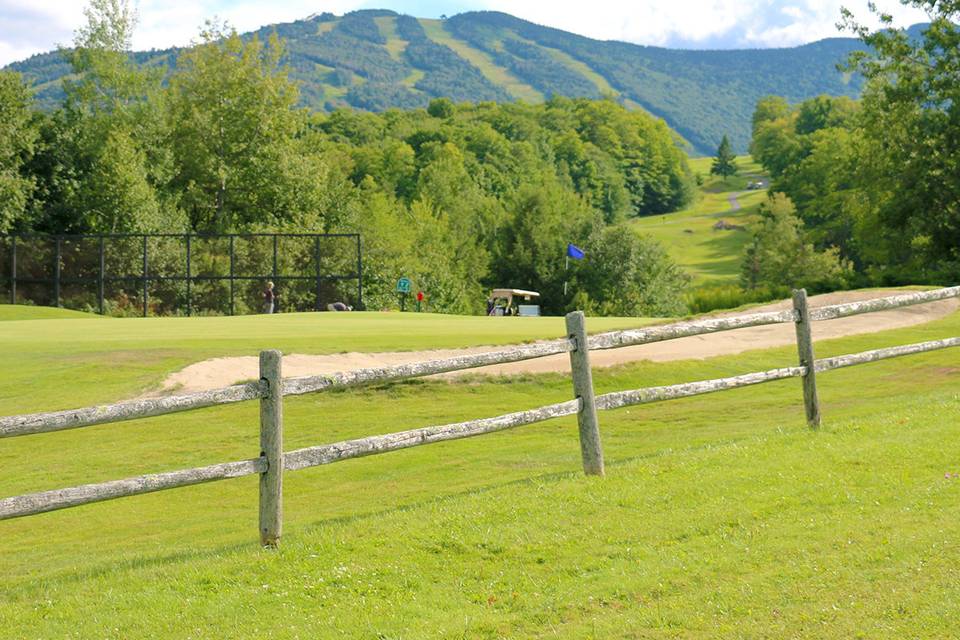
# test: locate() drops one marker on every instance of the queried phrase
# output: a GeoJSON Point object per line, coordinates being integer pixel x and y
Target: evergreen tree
{"type": "Point", "coordinates": [725, 163]}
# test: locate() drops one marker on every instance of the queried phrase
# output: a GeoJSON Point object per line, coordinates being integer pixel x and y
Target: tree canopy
{"type": "Point", "coordinates": [459, 197]}
{"type": "Point", "coordinates": [879, 178]}
{"type": "Point", "coordinates": [17, 138]}
{"type": "Point", "coordinates": [780, 253]}
{"type": "Point", "coordinates": [379, 60]}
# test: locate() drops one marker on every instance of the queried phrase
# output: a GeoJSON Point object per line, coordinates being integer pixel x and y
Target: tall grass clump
{"type": "Point", "coordinates": [712, 298]}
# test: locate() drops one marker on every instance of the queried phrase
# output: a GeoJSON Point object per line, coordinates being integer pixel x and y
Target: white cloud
{"type": "Point", "coordinates": [164, 23]}
{"type": "Point", "coordinates": [694, 23]}
{"type": "Point", "coordinates": [34, 26]}
{"type": "Point", "coordinates": [816, 19]}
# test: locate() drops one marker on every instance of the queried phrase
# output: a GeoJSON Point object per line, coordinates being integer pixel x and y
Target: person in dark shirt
{"type": "Point", "coordinates": [269, 298]}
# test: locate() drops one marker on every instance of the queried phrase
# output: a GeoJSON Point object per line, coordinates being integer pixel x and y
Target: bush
{"type": "Point", "coordinates": [627, 274]}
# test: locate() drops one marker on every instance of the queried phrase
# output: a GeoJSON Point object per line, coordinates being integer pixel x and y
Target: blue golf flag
{"type": "Point", "coordinates": [574, 252]}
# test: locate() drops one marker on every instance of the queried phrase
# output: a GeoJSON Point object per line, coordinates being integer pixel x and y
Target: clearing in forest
{"type": "Point", "coordinates": [711, 256]}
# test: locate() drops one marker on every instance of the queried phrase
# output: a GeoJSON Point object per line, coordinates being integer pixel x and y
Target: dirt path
{"type": "Point", "coordinates": [734, 203]}
{"type": "Point", "coordinates": [221, 372]}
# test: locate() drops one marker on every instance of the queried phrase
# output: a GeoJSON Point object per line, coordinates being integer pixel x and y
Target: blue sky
{"type": "Point", "coordinates": [34, 26]}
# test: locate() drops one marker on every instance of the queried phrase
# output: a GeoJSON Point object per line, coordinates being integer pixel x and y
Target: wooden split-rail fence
{"type": "Point", "coordinates": [272, 462]}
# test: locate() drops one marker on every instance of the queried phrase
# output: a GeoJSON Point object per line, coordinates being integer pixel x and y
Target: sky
{"type": "Point", "coordinates": [34, 26]}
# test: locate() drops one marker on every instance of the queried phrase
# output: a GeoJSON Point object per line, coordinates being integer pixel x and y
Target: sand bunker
{"type": "Point", "coordinates": [221, 372]}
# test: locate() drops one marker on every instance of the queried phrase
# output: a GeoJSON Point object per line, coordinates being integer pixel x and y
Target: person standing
{"type": "Point", "coordinates": [269, 298]}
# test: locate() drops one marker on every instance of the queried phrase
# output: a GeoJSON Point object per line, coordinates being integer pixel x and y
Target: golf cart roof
{"type": "Point", "coordinates": [509, 293]}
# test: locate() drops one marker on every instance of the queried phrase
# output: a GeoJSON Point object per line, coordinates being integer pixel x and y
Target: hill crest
{"type": "Point", "coordinates": [377, 59]}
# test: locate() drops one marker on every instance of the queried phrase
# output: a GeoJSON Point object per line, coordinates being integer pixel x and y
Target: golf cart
{"type": "Point", "coordinates": [501, 303]}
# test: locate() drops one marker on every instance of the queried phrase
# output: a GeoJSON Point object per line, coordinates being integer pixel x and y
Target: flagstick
{"type": "Point", "coordinates": [566, 268]}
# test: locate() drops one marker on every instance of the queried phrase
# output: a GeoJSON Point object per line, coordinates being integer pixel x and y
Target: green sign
{"type": "Point", "coordinates": [403, 285]}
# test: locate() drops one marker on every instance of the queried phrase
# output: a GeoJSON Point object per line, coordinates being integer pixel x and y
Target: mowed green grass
{"type": "Point", "coordinates": [720, 516]}
{"type": "Point", "coordinates": [92, 359]}
{"type": "Point", "coordinates": [711, 257]}
{"type": "Point", "coordinates": [23, 312]}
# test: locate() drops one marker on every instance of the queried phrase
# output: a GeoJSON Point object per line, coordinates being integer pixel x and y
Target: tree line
{"type": "Point", "coordinates": [458, 197]}
{"type": "Point", "coordinates": [868, 190]}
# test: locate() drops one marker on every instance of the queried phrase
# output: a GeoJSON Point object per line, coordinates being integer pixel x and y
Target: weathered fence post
{"type": "Point", "coordinates": [811, 401]}
{"type": "Point", "coordinates": [271, 446]}
{"type": "Point", "coordinates": [590, 447]}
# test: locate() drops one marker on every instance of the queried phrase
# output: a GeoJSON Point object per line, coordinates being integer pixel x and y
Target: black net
{"type": "Point", "coordinates": [6, 271]}
{"type": "Point", "coordinates": [128, 275]}
{"type": "Point", "coordinates": [253, 256]}
{"type": "Point", "coordinates": [79, 270]}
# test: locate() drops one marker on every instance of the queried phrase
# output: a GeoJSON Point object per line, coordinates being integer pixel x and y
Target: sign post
{"type": "Point", "coordinates": [419, 300]}
{"type": "Point", "coordinates": [403, 288]}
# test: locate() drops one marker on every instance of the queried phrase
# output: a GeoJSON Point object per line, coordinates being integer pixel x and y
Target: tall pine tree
{"type": "Point", "coordinates": [725, 163]}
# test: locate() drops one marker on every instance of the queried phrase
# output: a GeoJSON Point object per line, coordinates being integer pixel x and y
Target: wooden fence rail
{"type": "Point", "coordinates": [150, 407]}
{"type": "Point", "coordinates": [270, 389]}
{"type": "Point", "coordinates": [146, 408]}
{"type": "Point", "coordinates": [883, 304]}
{"type": "Point", "coordinates": [42, 501]}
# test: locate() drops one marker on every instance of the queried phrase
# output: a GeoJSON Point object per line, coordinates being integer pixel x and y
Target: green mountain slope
{"type": "Point", "coordinates": [378, 59]}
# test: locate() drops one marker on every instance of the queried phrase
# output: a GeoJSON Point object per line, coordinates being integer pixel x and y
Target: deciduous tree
{"type": "Point", "coordinates": [17, 137]}
{"type": "Point", "coordinates": [911, 130]}
{"type": "Point", "coordinates": [779, 254]}
{"type": "Point", "coordinates": [233, 124]}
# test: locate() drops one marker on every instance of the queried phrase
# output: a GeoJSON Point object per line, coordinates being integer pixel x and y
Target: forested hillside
{"type": "Point", "coordinates": [457, 197]}
{"type": "Point", "coordinates": [377, 59]}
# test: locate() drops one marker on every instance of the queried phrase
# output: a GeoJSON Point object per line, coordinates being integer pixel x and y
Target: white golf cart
{"type": "Point", "coordinates": [506, 302]}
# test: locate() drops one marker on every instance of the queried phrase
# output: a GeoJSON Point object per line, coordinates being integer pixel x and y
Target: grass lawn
{"type": "Point", "coordinates": [23, 312]}
{"type": "Point", "coordinates": [709, 256]}
{"type": "Point", "coordinates": [720, 516]}
{"type": "Point", "coordinates": [69, 355]}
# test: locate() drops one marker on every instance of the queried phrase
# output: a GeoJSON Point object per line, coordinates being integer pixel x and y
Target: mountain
{"type": "Point", "coordinates": [378, 59]}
